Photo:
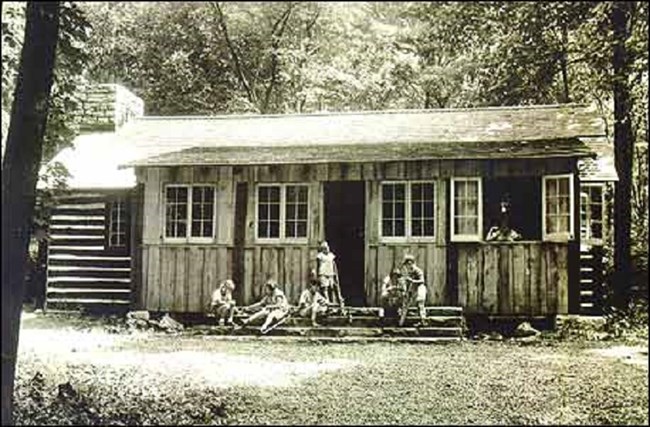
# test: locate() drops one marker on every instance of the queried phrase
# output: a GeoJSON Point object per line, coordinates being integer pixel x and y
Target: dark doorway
{"type": "Point", "coordinates": [345, 203]}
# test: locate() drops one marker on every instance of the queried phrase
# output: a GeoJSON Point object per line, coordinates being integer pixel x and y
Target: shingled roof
{"type": "Point", "coordinates": [491, 132]}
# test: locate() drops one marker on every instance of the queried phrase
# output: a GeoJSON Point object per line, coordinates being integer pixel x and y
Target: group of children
{"type": "Point", "coordinates": [399, 290]}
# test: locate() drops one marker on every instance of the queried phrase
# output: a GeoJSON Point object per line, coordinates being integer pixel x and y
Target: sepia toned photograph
{"type": "Point", "coordinates": [325, 213]}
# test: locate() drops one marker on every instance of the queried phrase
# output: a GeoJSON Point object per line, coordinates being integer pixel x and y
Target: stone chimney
{"type": "Point", "coordinates": [106, 107]}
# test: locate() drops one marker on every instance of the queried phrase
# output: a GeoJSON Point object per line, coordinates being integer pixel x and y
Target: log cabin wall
{"type": "Point", "coordinates": [181, 276]}
{"type": "Point", "coordinates": [83, 268]}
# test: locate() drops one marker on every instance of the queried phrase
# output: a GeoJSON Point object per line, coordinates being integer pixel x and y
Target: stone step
{"type": "Point", "coordinates": [432, 311]}
{"type": "Point", "coordinates": [334, 331]}
{"type": "Point", "coordinates": [366, 321]}
{"type": "Point", "coordinates": [348, 339]}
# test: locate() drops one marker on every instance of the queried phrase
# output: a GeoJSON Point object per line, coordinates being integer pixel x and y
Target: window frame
{"type": "Point", "coordinates": [282, 219]}
{"type": "Point", "coordinates": [589, 238]}
{"type": "Point", "coordinates": [408, 237]}
{"type": "Point", "coordinates": [188, 230]}
{"type": "Point", "coordinates": [561, 236]}
{"type": "Point", "coordinates": [452, 210]}
{"type": "Point", "coordinates": [109, 223]}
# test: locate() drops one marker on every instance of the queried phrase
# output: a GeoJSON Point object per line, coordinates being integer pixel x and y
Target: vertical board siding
{"type": "Point", "coordinates": [182, 278]}
{"type": "Point", "coordinates": [528, 278]}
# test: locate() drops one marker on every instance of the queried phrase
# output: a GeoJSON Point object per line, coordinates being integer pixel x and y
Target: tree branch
{"type": "Point", "coordinates": [276, 34]}
{"type": "Point", "coordinates": [233, 54]}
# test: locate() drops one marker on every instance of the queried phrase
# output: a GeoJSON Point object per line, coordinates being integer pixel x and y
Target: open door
{"type": "Point", "coordinates": [345, 232]}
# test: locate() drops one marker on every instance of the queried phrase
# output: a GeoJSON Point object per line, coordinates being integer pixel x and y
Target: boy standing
{"type": "Point", "coordinates": [416, 289]}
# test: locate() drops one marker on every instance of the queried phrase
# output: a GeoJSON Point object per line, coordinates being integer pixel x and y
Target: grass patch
{"type": "Point", "coordinates": [159, 379]}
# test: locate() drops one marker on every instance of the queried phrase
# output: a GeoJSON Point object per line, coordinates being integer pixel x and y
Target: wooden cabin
{"type": "Point", "coordinates": [251, 196]}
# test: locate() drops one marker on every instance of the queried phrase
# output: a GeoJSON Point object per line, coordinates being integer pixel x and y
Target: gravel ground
{"type": "Point", "coordinates": [157, 379]}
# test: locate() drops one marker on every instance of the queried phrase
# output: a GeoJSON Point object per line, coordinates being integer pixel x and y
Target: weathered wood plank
{"type": "Point", "coordinates": [490, 303]}
{"type": "Point", "coordinates": [552, 283]}
{"type": "Point", "coordinates": [249, 279]}
{"type": "Point", "coordinates": [144, 283]}
{"type": "Point", "coordinates": [372, 276]}
{"type": "Point", "coordinates": [167, 273]}
{"type": "Point", "coordinates": [534, 265]}
{"type": "Point", "coordinates": [462, 276]}
{"type": "Point", "coordinates": [519, 279]}
{"type": "Point", "coordinates": [153, 206]}
{"type": "Point", "coordinates": [563, 280]}
{"type": "Point", "coordinates": [195, 278]}
{"type": "Point", "coordinates": [153, 279]}
{"type": "Point", "coordinates": [504, 294]}
{"type": "Point", "coordinates": [179, 284]}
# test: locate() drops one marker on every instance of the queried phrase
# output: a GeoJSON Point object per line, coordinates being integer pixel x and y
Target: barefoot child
{"type": "Point", "coordinates": [273, 305]}
{"type": "Point", "coordinates": [327, 274]}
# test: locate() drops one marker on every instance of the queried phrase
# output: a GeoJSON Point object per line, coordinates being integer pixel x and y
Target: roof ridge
{"type": "Point", "coordinates": [365, 112]}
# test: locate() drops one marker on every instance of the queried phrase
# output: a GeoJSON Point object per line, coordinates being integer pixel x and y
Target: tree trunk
{"type": "Point", "coordinates": [19, 175]}
{"type": "Point", "coordinates": [623, 148]}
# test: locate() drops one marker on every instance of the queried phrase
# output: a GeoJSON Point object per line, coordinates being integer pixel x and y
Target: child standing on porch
{"type": "Point", "coordinates": [416, 290]}
{"type": "Point", "coordinates": [327, 274]}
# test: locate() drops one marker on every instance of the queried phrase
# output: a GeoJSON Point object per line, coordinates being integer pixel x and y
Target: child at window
{"type": "Point", "coordinates": [503, 232]}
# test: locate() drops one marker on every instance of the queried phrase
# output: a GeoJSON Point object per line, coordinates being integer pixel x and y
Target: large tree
{"type": "Point", "coordinates": [20, 168]}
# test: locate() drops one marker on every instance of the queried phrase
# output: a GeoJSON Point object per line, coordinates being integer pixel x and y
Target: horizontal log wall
{"type": "Point", "coordinates": [81, 271]}
{"type": "Point", "coordinates": [525, 278]}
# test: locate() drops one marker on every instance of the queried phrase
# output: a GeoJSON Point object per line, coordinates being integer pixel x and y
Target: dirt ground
{"type": "Point", "coordinates": [147, 378]}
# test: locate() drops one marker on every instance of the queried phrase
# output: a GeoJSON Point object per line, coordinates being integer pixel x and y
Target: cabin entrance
{"type": "Point", "coordinates": [345, 203]}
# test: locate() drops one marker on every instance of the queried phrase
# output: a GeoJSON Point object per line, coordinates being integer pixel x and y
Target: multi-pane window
{"type": "Point", "coordinates": [296, 212]}
{"type": "Point", "coordinates": [393, 210]}
{"type": "Point", "coordinates": [407, 209]}
{"type": "Point", "coordinates": [422, 212]}
{"type": "Point", "coordinates": [591, 212]}
{"type": "Point", "coordinates": [466, 209]}
{"type": "Point", "coordinates": [268, 212]}
{"type": "Point", "coordinates": [193, 205]}
{"type": "Point", "coordinates": [117, 224]}
{"type": "Point", "coordinates": [282, 211]}
{"type": "Point", "coordinates": [558, 206]}
{"type": "Point", "coordinates": [202, 211]}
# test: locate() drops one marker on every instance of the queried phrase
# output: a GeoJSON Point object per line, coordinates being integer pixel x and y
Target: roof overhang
{"type": "Point", "coordinates": [365, 153]}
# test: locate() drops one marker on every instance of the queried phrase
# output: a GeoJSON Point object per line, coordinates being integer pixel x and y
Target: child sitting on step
{"type": "Point", "coordinates": [273, 305]}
